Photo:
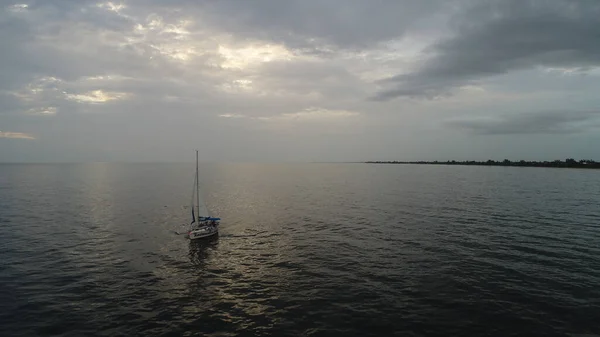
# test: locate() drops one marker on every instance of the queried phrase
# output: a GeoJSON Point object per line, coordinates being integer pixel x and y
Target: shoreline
{"type": "Point", "coordinates": [569, 163]}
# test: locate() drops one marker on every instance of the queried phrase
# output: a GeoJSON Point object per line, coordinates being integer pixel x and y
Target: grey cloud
{"type": "Point", "coordinates": [305, 24]}
{"type": "Point", "coordinates": [72, 40]}
{"type": "Point", "coordinates": [545, 122]}
{"type": "Point", "coordinates": [496, 37]}
{"type": "Point", "coordinates": [330, 80]}
{"type": "Point", "coordinates": [173, 102]}
{"type": "Point", "coordinates": [26, 53]}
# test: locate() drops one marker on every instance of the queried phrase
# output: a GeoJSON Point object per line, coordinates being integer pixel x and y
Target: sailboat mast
{"type": "Point", "coordinates": [197, 187]}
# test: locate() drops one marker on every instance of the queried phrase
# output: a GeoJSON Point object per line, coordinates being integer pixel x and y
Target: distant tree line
{"type": "Point", "coordinates": [569, 162]}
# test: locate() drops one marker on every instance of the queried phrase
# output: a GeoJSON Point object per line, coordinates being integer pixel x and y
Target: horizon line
{"type": "Point", "coordinates": [301, 161]}
{"type": "Point", "coordinates": [180, 162]}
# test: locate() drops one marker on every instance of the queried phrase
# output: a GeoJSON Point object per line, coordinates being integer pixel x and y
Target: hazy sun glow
{"type": "Point", "coordinates": [47, 111]}
{"type": "Point", "coordinates": [310, 114]}
{"type": "Point", "coordinates": [237, 86]}
{"type": "Point", "coordinates": [96, 96]}
{"type": "Point", "coordinates": [243, 57]}
{"type": "Point", "coordinates": [111, 6]}
{"type": "Point", "coordinates": [18, 7]}
{"type": "Point", "coordinates": [232, 116]}
{"type": "Point", "coordinates": [36, 88]}
{"type": "Point", "coordinates": [15, 135]}
{"type": "Point", "coordinates": [106, 78]}
{"type": "Point", "coordinates": [182, 53]}
{"type": "Point", "coordinates": [317, 114]}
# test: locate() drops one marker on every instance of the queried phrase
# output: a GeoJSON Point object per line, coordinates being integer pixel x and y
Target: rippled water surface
{"type": "Point", "coordinates": [304, 250]}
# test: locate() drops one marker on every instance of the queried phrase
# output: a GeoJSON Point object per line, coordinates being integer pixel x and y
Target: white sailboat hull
{"type": "Point", "coordinates": [202, 232]}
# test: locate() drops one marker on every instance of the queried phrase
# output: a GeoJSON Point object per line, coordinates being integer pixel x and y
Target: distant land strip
{"type": "Point", "coordinates": [568, 163]}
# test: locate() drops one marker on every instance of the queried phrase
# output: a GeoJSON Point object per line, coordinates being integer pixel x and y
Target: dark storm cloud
{"type": "Point", "coordinates": [496, 37]}
{"type": "Point", "coordinates": [546, 122]}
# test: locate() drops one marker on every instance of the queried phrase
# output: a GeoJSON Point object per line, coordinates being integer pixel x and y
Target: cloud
{"type": "Point", "coordinates": [35, 90]}
{"type": "Point", "coordinates": [101, 79]}
{"type": "Point", "coordinates": [496, 37]}
{"type": "Point", "coordinates": [240, 58]}
{"type": "Point", "coordinates": [544, 122]}
{"type": "Point", "coordinates": [44, 111]}
{"type": "Point", "coordinates": [314, 114]}
{"type": "Point", "coordinates": [18, 8]}
{"type": "Point", "coordinates": [96, 96]}
{"type": "Point", "coordinates": [314, 26]}
{"type": "Point", "coordinates": [232, 116]}
{"type": "Point", "coordinates": [15, 135]}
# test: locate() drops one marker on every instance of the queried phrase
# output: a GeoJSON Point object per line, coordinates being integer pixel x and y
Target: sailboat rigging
{"type": "Point", "coordinates": [202, 224]}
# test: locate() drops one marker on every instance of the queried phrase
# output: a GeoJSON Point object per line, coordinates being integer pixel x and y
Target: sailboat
{"type": "Point", "coordinates": [202, 225]}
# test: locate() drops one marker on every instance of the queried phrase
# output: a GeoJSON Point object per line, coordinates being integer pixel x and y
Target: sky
{"type": "Point", "coordinates": [299, 80]}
